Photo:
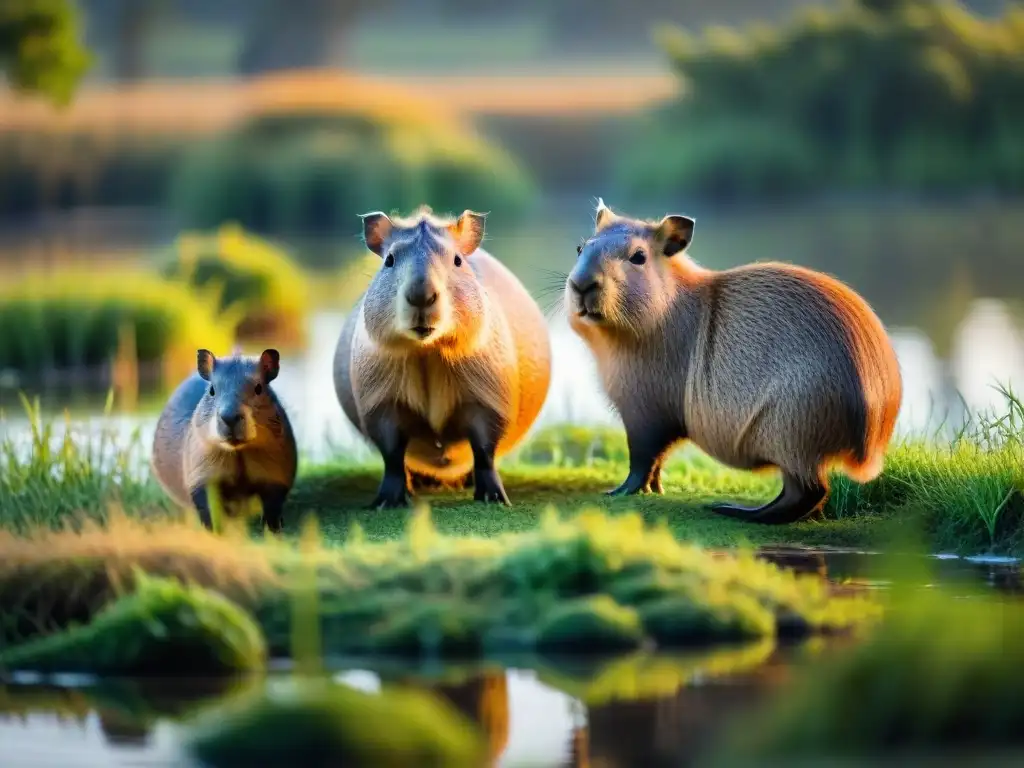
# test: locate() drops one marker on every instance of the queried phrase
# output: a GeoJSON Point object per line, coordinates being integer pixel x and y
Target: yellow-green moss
{"type": "Point", "coordinates": [162, 628]}
{"type": "Point", "coordinates": [328, 724]}
{"type": "Point", "coordinates": [602, 580]}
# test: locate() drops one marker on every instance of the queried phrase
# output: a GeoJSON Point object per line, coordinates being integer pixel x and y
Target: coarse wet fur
{"type": "Point", "coordinates": [445, 362]}
{"type": "Point", "coordinates": [224, 425]}
{"type": "Point", "coordinates": [762, 366]}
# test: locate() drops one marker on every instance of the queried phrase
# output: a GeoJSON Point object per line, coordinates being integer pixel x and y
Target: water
{"type": "Point", "coordinates": [541, 721]}
{"type": "Point", "coordinates": [946, 280]}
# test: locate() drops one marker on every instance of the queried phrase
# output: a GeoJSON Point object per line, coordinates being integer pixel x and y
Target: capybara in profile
{"type": "Point", "coordinates": [765, 365]}
{"type": "Point", "coordinates": [224, 425]}
{"type": "Point", "coordinates": [444, 362]}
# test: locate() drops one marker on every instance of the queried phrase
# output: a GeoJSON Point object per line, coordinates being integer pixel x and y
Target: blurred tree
{"type": "Point", "coordinates": [40, 49]}
{"type": "Point", "coordinates": [124, 27]}
{"type": "Point", "coordinates": [905, 94]}
{"type": "Point", "coordinates": [296, 34]}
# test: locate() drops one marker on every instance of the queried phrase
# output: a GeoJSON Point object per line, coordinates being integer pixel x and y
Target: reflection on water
{"type": "Point", "coordinates": [638, 710]}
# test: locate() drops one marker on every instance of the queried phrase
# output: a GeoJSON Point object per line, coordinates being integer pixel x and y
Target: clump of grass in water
{"type": "Point", "coordinates": [568, 582]}
{"type": "Point", "coordinates": [595, 582]}
{"type": "Point", "coordinates": [942, 675]}
{"type": "Point", "coordinates": [51, 480]}
{"type": "Point", "coordinates": [51, 579]}
{"type": "Point", "coordinates": [161, 628]}
{"type": "Point", "coordinates": [322, 720]}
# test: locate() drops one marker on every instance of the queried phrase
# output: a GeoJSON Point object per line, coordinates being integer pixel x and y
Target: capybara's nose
{"type": "Point", "coordinates": [421, 297]}
{"type": "Point", "coordinates": [231, 418]}
{"type": "Point", "coordinates": [584, 285]}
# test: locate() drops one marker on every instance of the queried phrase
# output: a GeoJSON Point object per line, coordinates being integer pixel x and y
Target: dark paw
{"type": "Point", "coordinates": [275, 527]}
{"type": "Point", "coordinates": [633, 484]}
{"type": "Point", "coordinates": [489, 489]}
{"type": "Point", "coordinates": [392, 494]}
{"type": "Point", "coordinates": [733, 510]}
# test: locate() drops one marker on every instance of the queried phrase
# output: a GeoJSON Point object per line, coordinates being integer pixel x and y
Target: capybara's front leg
{"type": "Point", "coordinates": [201, 501]}
{"type": "Point", "coordinates": [272, 498]}
{"type": "Point", "coordinates": [648, 441]}
{"type": "Point", "coordinates": [384, 428]}
{"type": "Point", "coordinates": [484, 430]}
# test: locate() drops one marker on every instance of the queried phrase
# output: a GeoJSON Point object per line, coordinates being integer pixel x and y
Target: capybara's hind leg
{"type": "Point", "coordinates": [384, 429]}
{"type": "Point", "coordinates": [484, 431]}
{"type": "Point", "coordinates": [656, 485]}
{"type": "Point", "coordinates": [797, 501]}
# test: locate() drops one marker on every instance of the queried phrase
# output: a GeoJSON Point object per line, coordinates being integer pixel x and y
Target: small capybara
{"type": "Point", "coordinates": [765, 365]}
{"type": "Point", "coordinates": [225, 425]}
{"type": "Point", "coordinates": [444, 363]}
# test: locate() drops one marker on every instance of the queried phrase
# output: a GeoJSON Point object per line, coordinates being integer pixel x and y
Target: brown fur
{"type": "Point", "coordinates": [494, 349]}
{"type": "Point", "coordinates": [763, 365]}
{"type": "Point", "coordinates": [186, 457]}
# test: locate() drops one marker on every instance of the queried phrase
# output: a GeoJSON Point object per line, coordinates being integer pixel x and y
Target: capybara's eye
{"type": "Point", "coordinates": [638, 257]}
{"type": "Point", "coordinates": [211, 391]}
{"type": "Point", "coordinates": [389, 260]}
{"type": "Point", "coordinates": [259, 389]}
{"type": "Point", "coordinates": [458, 261]}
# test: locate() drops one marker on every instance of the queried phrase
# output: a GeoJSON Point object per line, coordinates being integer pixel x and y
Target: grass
{"type": "Point", "coordinates": [75, 318]}
{"type": "Point", "coordinates": [594, 580]}
{"type": "Point", "coordinates": [963, 495]}
{"type": "Point", "coordinates": [941, 676]}
{"type": "Point", "coordinates": [163, 628]}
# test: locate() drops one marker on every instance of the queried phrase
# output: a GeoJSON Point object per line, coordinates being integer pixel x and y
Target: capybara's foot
{"type": "Point", "coordinates": [489, 488]}
{"type": "Point", "coordinates": [391, 494]}
{"type": "Point", "coordinates": [636, 482]}
{"type": "Point", "coordinates": [796, 502]}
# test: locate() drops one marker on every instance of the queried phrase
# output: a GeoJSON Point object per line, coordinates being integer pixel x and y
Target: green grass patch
{"type": "Point", "coordinates": [964, 495]}
{"type": "Point", "coordinates": [162, 628]}
{"type": "Point", "coordinates": [585, 583]}
{"type": "Point", "coordinates": [76, 319]}
{"type": "Point", "coordinates": [941, 676]}
{"type": "Point", "coordinates": [328, 723]}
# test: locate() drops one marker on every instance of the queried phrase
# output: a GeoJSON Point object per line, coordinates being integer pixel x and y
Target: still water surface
{"type": "Point", "coordinates": [533, 714]}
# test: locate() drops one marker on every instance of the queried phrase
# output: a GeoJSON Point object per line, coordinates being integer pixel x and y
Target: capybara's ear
{"type": "Point", "coordinates": [605, 216]}
{"type": "Point", "coordinates": [205, 362]}
{"type": "Point", "coordinates": [674, 234]}
{"type": "Point", "coordinates": [270, 364]}
{"type": "Point", "coordinates": [376, 230]}
{"type": "Point", "coordinates": [468, 231]}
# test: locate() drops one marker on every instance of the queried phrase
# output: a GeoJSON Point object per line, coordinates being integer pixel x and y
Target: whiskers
{"type": "Point", "coordinates": [552, 288]}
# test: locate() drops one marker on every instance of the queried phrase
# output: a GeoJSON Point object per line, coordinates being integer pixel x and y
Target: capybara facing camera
{"type": "Point", "coordinates": [444, 363]}
{"type": "Point", "coordinates": [764, 365]}
{"type": "Point", "coordinates": [224, 425]}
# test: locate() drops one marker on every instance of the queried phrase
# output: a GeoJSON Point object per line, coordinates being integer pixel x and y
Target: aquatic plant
{"type": "Point", "coordinates": [53, 579]}
{"type": "Point", "coordinates": [588, 581]}
{"type": "Point", "coordinates": [334, 724]}
{"type": "Point", "coordinates": [161, 628]}
{"type": "Point", "coordinates": [941, 675]}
